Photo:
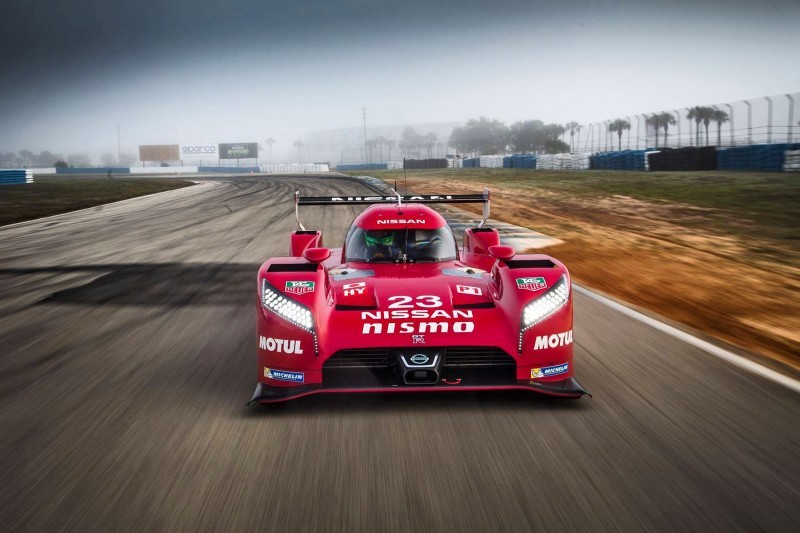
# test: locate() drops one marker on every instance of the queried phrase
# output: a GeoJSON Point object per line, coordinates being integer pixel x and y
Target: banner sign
{"type": "Point", "coordinates": [198, 150]}
{"type": "Point", "coordinates": [238, 150]}
{"type": "Point", "coordinates": [158, 152]}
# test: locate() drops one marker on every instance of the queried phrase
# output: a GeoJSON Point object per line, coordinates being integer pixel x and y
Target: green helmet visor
{"type": "Point", "coordinates": [379, 238]}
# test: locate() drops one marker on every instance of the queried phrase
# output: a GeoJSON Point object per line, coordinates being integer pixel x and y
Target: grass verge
{"type": "Point", "coordinates": [52, 196]}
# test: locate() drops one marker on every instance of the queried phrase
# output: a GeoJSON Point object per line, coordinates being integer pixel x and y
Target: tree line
{"type": "Point", "coordinates": [662, 121]}
{"type": "Point", "coordinates": [484, 136]}
{"type": "Point", "coordinates": [44, 159]}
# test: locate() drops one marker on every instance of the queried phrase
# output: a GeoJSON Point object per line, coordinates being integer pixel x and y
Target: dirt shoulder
{"type": "Point", "coordinates": [728, 266]}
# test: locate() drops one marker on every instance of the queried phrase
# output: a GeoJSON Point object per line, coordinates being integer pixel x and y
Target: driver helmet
{"type": "Point", "coordinates": [379, 238]}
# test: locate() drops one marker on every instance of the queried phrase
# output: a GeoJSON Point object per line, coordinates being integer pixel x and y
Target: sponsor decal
{"type": "Point", "coordinates": [547, 371]}
{"type": "Point", "coordinates": [419, 358]}
{"type": "Point", "coordinates": [238, 150]}
{"type": "Point", "coordinates": [555, 340]}
{"type": "Point", "coordinates": [380, 322]}
{"type": "Point", "coordinates": [198, 149]}
{"type": "Point", "coordinates": [283, 375]}
{"type": "Point", "coordinates": [389, 198]}
{"type": "Point", "coordinates": [299, 287]}
{"type": "Point", "coordinates": [469, 289]}
{"type": "Point", "coordinates": [418, 339]}
{"type": "Point", "coordinates": [401, 221]}
{"type": "Point", "coordinates": [531, 284]}
{"type": "Point", "coordinates": [279, 345]}
{"type": "Point", "coordinates": [351, 289]}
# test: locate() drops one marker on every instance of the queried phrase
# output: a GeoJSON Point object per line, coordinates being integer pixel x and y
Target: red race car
{"type": "Point", "coordinates": [401, 308]}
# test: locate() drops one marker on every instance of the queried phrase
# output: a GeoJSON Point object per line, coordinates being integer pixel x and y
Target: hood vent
{"type": "Point", "coordinates": [530, 263]}
{"type": "Point", "coordinates": [293, 267]}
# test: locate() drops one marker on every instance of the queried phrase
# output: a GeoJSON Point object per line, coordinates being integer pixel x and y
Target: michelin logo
{"type": "Point", "coordinates": [547, 371]}
{"type": "Point", "coordinates": [283, 375]}
{"type": "Point", "coordinates": [553, 341]}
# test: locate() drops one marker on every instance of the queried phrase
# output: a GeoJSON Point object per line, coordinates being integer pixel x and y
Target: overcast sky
{"type": "Point", "coordinates": [183, 71]}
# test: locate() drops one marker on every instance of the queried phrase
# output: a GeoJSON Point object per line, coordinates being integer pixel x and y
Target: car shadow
{"type": "Point", "coordinates": [154, 284]}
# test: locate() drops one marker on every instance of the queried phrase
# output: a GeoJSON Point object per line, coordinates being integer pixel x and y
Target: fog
{"type": "Point", "coordinates": [244, 71]}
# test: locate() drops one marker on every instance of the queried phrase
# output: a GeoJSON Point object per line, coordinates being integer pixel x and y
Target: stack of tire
{"type": "Point", "coordinates": [690, 158]}
{"type": "Point", "coordinates": [791, 161]}
{"type": "Point", "coordinates": [769, 157]}
{"type": "Point", "coordinates": [624, 160]}
{"type": "Point", "coordinates": [470, 163]}
{"type": "Point", "coordinates": [519, 161]}
{"type": "Point", "coordinates": [491, 161]}
{"type": "Point", "coordinates": [16, 176]}
{"type": "Point", "coordinates": [425, 163]}
{"type": "Point", "coordinates": [363, 166]}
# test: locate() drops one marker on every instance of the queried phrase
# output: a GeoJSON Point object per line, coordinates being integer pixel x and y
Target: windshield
{"type": "Point", "coordinates": [401, 245]}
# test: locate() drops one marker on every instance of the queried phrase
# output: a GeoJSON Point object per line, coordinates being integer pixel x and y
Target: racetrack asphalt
{"type": "Point", "coordinates": [127, 353]}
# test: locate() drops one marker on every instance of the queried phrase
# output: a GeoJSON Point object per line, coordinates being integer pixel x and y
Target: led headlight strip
{"type": "Point", "coordinates": [275, 301]}
{"type": "Point", "coordinates": [544, 306]}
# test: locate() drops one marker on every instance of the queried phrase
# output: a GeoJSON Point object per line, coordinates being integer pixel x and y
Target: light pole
{"type": "Point", "coordinates": [678, 123]}
{"type": "Point", "coordinates": [119, 148]}
{"type": "Point", "coordinates": [749, 121]}
{"type": "Point", "coordinates": [791, 117]}
{"type": "Point", "coordinates": [769, 119]}
{"type": "Point", "coordinates": [364, 112]}
{"type": "Point", "coordinates": [730, 112]}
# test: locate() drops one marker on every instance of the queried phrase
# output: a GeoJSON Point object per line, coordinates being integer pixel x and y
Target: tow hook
{"type": "Point", "coordinates": [456, 382]}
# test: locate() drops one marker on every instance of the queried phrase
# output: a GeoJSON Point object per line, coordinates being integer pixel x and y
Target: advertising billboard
{"type": "Point", "coordinates": [199, 150]}
{"type": "Point", "coordinates": [238, 150]}
{"type": "Point", "coordinates": [159, 152]}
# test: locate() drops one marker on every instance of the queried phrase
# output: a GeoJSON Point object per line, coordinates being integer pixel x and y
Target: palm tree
{"type": "Point", "coordinates": [390, 144]}
{"type": "Point", "coordinates": [380, 141]}
{"type": "Point", "coordinates": [430, 142]}
{"type": "Point", "coordinates": [665, 119]}
{"type": "Point", "coordinates": [696, 114]}
{"type": "Point", "coordinates": [654, 121]}
{"type": "Point", "coordinates": [720, 117]}
{"type": "Point", "coordinates": [619, 125]}
{"type": "Point", "coordinates": [299, 145]}
{"type": "Point", "coordinates": [708, 116]}
{"type": "Point", "coordinates": [572, 127]}
{"type": "Point", "coordinates": [270, 142]}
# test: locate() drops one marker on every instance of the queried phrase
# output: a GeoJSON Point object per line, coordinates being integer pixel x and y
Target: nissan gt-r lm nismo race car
{"type": "Point", "coordinates": [401, 308]}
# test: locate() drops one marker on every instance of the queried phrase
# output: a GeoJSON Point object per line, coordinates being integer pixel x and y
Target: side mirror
{"type": "Point", "coordinates": [316, 255]}
{"type": "Point", "coordinates": [502, 252]}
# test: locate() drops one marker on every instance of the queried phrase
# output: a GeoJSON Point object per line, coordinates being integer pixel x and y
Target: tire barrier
{"type": "Point", "coordinates": [228, 170]}
{"type": "Point", "coordinates": [563, 161]}
{"type": "Point", "coordinates": [769, 157]}
{"type": "Point", "coordinates": [93, 170]}
{"type": "Point", "coordinates": [519, 161]}
{"type": "Point", "coordinates": [491, 161]}
{"type": "Point", "coordinates": [295, 168]}
{"type": "Point", "coordinates": [19, 176]}
{"type": "Point", "coordinates": [624, 160]}
{"type": "Point", "coordinates": [425, 163]}
{"type": "Point", "coordinates": [394, 165]}
{"type": "Point", "coordinates": [363, 166]}
{"type": "Point", "coordinates": [791, 161]}
{"type": "Point", "coordinates": [690, 158]}
{"type": "Point", "coordinates": [472, 162]}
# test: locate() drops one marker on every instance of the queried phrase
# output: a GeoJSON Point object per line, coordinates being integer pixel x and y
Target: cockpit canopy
{"type": "Point", "coordinates": [413, 245]}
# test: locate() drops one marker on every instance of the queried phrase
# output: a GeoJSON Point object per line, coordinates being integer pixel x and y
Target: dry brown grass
{"type": "Point", "coordinates": [666, 258]}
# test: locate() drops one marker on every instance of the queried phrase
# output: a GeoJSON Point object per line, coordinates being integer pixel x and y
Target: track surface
{"type": "Point", "coordinates": [128, 350]}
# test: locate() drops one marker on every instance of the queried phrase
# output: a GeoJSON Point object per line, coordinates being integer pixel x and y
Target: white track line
{"type": "Point", "coordinates": [725, 355]}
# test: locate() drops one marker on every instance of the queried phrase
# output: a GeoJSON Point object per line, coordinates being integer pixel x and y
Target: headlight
{"type": "Point", "coordinates": [275, 301]}
{"type": "Point", "coordinates": [546, 305]}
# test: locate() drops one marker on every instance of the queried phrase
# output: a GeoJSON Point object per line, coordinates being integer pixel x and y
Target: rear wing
{"type": "Point", "coordinates": [483, 198]}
